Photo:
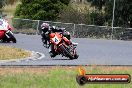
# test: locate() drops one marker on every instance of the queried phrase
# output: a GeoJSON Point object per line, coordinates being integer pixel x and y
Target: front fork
{"type": "Point", "coordinates": [8, 34]}
{"type": "Point", "coordinates": [72, 49]}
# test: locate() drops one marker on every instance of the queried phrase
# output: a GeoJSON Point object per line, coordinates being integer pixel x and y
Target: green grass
{"type": "Point", "coordinates": [58, 78]}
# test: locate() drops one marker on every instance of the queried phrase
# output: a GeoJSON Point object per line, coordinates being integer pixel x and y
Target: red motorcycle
{"type": "Point", "coordinates": [6, 34]}
{"type": "Point", "coordinates": [62, 45]}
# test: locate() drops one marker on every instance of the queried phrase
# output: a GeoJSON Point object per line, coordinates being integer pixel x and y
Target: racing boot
{"type": "Point", "coordinates": [45, 43]}
{"type": "Point", "coordinates": [52, 52]}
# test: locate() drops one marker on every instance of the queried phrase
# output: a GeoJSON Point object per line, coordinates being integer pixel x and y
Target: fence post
{"type": "Point", "coordinates": [113, 17]}
{"type": "Point", "coordinates": [73, 31]}
{"type": "Point", "coordinates": [37, 27]}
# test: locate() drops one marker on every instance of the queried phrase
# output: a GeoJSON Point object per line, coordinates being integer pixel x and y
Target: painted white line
{"type": "Point", "coordinates": [42, 55]}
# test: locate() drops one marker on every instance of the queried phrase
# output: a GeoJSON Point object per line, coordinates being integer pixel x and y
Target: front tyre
{"type": "Point", "coordinates": [13, 39]}
{"type": "Point", "coordinates": [76, 56]}
{"type": "Point", "coordinates": [10, 37]}
{"type": "Point", "coordinates": [66, 52]}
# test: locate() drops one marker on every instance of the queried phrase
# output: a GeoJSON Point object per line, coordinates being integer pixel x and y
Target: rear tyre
{"type": "Point", "coordinates": [76, 56]}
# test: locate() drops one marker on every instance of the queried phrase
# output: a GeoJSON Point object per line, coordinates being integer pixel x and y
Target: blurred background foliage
{"type": "Point", "coordinates": [91, 12]}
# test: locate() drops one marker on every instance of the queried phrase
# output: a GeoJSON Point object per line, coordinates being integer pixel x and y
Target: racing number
{"type": "Point", "coordinates": [56, 40]}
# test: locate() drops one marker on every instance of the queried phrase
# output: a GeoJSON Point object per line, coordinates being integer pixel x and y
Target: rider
{"type": "Point", "coordinates": [46, 30]}
{"type": "Point", "coordinates": [4, 27]}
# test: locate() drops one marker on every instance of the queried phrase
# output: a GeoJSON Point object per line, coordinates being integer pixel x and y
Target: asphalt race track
{"type": "Point", "coordinates": [91, 52]}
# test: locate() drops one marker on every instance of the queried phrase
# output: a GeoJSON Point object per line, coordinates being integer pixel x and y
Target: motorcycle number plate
{"type": "Point", "coordinates": [56, 40]}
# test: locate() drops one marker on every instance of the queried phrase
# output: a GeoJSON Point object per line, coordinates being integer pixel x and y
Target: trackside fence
{"type": "Point", "coordinates": [77, 30]}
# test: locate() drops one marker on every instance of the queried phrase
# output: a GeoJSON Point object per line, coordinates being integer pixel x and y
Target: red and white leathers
{"type": "Point", "coordinates": [4, 26]}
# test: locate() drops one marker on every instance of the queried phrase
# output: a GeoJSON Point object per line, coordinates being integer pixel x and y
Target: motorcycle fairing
{"type": "Point", "coordinates": [55, 40]}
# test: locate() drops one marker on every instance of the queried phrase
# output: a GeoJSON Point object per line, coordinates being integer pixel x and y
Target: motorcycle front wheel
{"type": "Point", "coordinates": [66, 52]}
{"type": "Point", "coordinates": [11, 37]}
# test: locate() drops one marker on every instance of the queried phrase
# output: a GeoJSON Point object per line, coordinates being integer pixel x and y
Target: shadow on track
{"type": "Point", "coordinates": [62, 59]}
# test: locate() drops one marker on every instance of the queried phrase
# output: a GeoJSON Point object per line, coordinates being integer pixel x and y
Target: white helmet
{"type": "Point", "coordinates": [45, 26]}
{"type": "Point", "coordinates": [54, 27]}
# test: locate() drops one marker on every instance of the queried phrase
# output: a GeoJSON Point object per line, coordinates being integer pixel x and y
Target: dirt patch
{"type": "Point", "coordinates": [8, 52]}
{"type": "Point", "coordinates": [34, 70]}
{"type": "Point", "coordinates": [41, 70]}
{"type": "Point", "coordinates": [24, 70]}
{"type": "Point", "coordinates": [117, 68]}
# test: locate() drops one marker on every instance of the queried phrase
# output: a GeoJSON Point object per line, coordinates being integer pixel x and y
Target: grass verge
{"type": "Point", "coordinates": [8, 52]}
{"type": "Point", "coordinates": [56, 77]}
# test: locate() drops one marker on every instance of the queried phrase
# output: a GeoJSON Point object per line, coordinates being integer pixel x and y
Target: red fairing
{"type": "Point", "coordinates": [52, 35]}
{"type": "Point", "coordinates": [9, 27]}
{"type": "Point", "coordinates": [66, 40]}
{"type": "Point", "coordinates": [2, 33]}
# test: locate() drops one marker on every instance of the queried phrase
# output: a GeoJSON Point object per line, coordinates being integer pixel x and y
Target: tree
{"type": "Point", "coordinates": [10, 2]}
{"type": "Point", "coordinates": [1, 6]}
{"type": "Point", "coordinates": [97, 15]}
{"type": "Point", "coordinates": [97, 18]}
{"type": "Point", "coordinates": [98, 3]}
{"type": "Point", "coordinates": [40, 9]}
{"type": "Point", "coordinates": [72, 15]}
{"type": "Point", "coordinates": [123, 12]}
{"type": "Point", "coordinates": [2, 3]}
